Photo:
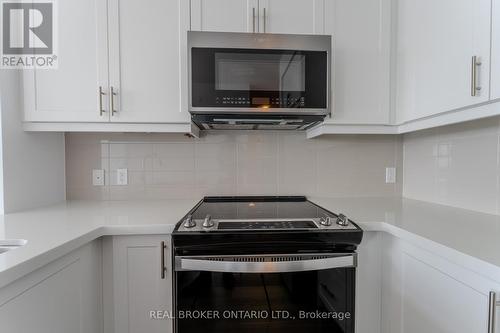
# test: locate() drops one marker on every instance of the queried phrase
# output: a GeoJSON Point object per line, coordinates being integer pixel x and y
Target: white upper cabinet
{"type": "Point", "coordinates": [70, 93]}
{"type": "Point", "coordinates": [125, 49]}
{"type": "Point", "coordinates": [225, 15]}
{"type": "Point", "coordinates": [361, 32]}
{"type": "Point", "coordinates": [292, 16]}
{"type": "Point", "coordinates": [271, 16]}
{"type": "Point", "coordinates": [437, 40]}
{"type": "Point", "coordinates": [495, 51]}
{"type": "Point", "coordinates": [144, 52]}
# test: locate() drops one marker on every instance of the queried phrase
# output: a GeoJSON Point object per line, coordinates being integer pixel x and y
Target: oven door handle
{"type": "Point", "coordinates": [219, 264]}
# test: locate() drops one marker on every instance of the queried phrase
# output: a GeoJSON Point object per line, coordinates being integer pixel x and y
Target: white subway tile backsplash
{"type": "Point", "coordinates": [165, 166]}
{"type": "Point", "coordinates": [173, 163]}
{"type": "Point", "coordinates": [173, 150]}
{"type": "Point", "coordinates": [455, 165]}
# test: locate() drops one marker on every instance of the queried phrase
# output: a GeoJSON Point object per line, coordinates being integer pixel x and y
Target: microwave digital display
{"type": "Point", "coordinates": [260, 101]}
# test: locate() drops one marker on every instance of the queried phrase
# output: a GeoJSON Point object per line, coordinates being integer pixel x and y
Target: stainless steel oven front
{"type": "Point", "coordinates": [289, 293]}
{"type": "Point", "coordinates": [242, 73]}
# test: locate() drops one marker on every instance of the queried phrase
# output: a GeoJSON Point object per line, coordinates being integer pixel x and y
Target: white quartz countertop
{"type": "Point", "coordinates": [56, 230]}
{"type": "Point", "coordinates": [466, 237]}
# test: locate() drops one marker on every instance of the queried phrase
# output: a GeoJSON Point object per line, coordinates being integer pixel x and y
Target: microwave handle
{"type": "Point", "coordinates": [236, 266]}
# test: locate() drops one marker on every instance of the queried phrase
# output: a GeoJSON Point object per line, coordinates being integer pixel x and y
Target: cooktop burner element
{"type": "Point", "coordinates": [244, 214]}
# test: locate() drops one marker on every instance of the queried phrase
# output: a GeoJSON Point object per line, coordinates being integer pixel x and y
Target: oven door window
{"type": "Point", "coordinates": [236, 78]}
{"type": "Point", "coordinates": [310, 301]}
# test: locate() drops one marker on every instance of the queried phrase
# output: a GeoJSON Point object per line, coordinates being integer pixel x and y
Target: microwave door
{"type": "Point", "coordinates": [272, 81]}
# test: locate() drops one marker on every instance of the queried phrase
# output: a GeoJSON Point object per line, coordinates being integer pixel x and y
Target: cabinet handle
{"type": "Point", "coordinates": [474, 67]}
{"type": "Point", "coordinates": [112, 95]}
{"type": "Point", "coordinates": [253, 19]}
{"type": "Point", "coordinates": [101, 93]}
{"type": "Point", "coordinates": [265, 19]}
{"type": "Point", "coordinates": [493, 303]}
{"type": "Point", "coordinates": [162, 259]}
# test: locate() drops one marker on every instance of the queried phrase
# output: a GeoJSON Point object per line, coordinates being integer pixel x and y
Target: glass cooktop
{"type": "Point", "coordinates": [234, 208]}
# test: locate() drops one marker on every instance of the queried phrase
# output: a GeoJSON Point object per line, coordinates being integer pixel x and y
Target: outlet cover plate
{"type": "Point", "coordinates": [121, 176]}
{"type": "Point", "coordinates": [98, 177]}
{"type": "Point", "coordinates": [390, 175]}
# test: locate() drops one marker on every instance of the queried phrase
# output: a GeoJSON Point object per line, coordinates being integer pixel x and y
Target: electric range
{"type": "Point", "coordinates": [280, 264]}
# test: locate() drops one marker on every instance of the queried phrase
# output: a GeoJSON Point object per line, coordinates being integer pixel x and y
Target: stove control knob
{"type": "Point", "coordinates": [189, 222]}
{"type": "Point", "coordinates": [208, 222]}
{"type": "Point", "coordinates": [326, 221]}
{"type": "Point", "coordinates": [342, 220]}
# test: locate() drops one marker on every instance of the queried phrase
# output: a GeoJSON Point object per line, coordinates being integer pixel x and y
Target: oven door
{"type": "Point", "coordinates": [272, 81]}
{"type": "Point", "coordinates": [310, 293]}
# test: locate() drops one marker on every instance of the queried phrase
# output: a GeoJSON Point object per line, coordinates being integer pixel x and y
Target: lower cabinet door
{"type": "Point", "coordinates": [142, 294]}
{"type": "Point", "coordinates": [423, 292]}
{"type": "Point", "coordinates": [436, 302]}
{"type": "Point", "coordinates": [63, 296]}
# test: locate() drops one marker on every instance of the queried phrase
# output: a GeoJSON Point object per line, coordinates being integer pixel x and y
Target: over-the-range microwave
{"type": "Point", "coordinates": [258, 81]}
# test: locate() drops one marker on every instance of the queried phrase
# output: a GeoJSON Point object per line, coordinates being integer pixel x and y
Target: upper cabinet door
{"type": "Point", "coordinates": [225, 15]}
{"type": "Point", "coordinates": [292, 16]}
{"type": "Point", "coordinates": [437, 40]}
{"type": "Point", "coordinates": [146, 41]}
{"type": "Point", "coordinates": [70, 93]}
{"type": "Point", "coordinates": [495, 51]}
{"type": "Point", "coordinates": [361, 33]}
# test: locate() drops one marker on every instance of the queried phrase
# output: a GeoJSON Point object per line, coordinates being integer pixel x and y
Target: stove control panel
{"type": "Point", "coordinates": [208, 224]}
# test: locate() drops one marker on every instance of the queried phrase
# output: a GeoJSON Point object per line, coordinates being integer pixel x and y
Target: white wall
{"type": "Point", "coordinates": [33, 163]}
{"type": "Point", "coordinates": [457, 165]}
{"type": "Point", "coordinates": [232, 163]}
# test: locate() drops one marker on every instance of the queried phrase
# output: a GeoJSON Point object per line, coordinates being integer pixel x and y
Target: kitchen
{"type": "Point", "coordinates": [237, 165]}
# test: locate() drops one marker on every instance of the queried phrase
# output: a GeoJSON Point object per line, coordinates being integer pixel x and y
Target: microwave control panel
{"type": "Point", "coordinates": [263, 102]}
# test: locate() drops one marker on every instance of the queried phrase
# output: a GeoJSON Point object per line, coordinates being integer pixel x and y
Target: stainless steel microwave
{"type": "Point", "coordinates": [258, 81]}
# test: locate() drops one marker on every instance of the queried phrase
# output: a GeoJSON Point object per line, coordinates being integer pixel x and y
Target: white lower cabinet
{"type": "Point", "coordinates": [423, 292]}
{"type": "Point", "coordinates": [64, 296]}
{"type": "Point", "coordinates": [114, 284]}
{"type": "Point", "coordinates": [134, 284]}
{"type": "Point", "coordinates": [368, 280]}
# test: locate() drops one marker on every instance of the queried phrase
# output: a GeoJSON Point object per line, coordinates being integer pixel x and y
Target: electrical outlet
{"type": "Point", "coordinates": [121, 177]}
{"type": "Point", "coordinates": [98, 177]}
{"type": "Point", "coordinates": [390, 175]}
